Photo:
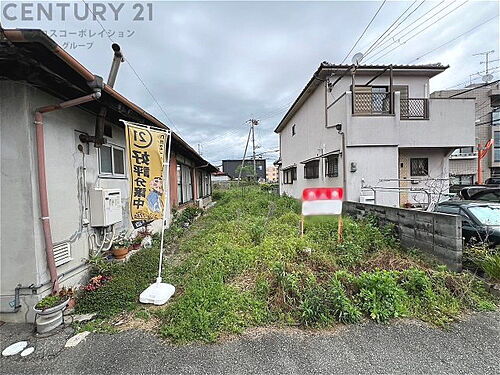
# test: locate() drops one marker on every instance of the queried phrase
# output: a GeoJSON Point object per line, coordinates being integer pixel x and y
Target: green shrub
{"type": "Point", "coordinates": [380, 296]}
{"type": "Point", "coordinates": [206, 310]}
{"type": "Point", "coordinates": [342, 307]}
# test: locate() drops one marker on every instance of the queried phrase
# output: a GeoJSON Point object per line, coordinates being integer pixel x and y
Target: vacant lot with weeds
{"type": "Point", "coordinates": [244, 263]}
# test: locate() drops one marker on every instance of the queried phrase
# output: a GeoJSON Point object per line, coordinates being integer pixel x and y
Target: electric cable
{"type": "Point", "coordinates": [417, 33]}
{"type": "Point", "coordinates": [364, 31]}
{"type": "Point", "coordinates": [452, 40]}
{"type": "Point", "coordinates": [135, 72]}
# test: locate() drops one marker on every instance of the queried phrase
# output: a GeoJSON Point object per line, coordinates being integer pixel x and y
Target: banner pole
{"type": "Point", "coordinates": [166, 191]}
{"type": "Point", "coordinates": [301, 225]}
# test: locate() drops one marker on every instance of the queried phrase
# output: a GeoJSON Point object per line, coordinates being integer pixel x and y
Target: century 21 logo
{"type": "Point", "coordinates": [142, 138]}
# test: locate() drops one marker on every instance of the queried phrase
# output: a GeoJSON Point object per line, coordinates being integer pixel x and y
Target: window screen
{"type": "Point", "coordinates": [332, 166]}
{"type": "Point", "coordinates": [419, 166]}
{"type": "Point", "coordinates": [311, 169]}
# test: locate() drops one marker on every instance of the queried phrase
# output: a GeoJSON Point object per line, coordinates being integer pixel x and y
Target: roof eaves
{"type": "Point", "coordinates": [326, 65]}
{"type": "Point", "coordinates": [38, 36]}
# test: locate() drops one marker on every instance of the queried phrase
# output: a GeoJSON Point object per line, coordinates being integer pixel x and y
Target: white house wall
{"type": "Point", "coordinates": [373, 142]}
{"type": "Point", "coordinates": [19, 260]}
{"type": "Point", "coordinates": [312, 138]}
{"type": "Point", "coordinates": [23, 247]}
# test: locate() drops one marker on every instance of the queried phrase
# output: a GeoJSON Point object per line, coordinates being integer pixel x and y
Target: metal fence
{"type": "Point", "coordinates": [375, 103]}
{"type": "Point", "coordinates": [414, 109]}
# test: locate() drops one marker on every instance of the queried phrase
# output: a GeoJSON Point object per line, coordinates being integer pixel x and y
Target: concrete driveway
{"type": "Point", "coordinates": [470, 346]}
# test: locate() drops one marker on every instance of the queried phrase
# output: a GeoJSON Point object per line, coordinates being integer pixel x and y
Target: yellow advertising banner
{"type": "Point", "coordinates": [146, 153]}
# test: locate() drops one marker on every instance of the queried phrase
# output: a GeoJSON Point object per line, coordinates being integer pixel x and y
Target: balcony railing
{"type": "Point", "coordinates": [414, 109]}
{"type": "Point", "coordinates": [375, 103]}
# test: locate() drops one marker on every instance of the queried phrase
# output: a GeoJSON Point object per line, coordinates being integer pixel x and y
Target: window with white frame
{"type": "Point", "coordinates": [289, 175]}
{"type": "Point", "coordinates": [184, 183]}
{"type": "Point", "coordinates": [204, 184]}
{"type": "Point", "coordinates": [112, 160]}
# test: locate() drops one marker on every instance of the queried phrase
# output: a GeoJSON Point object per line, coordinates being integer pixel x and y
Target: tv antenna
{"type": "Point", "coordinates": [487, 77]}
{"type": "Point", "coordinates": [356, 59]}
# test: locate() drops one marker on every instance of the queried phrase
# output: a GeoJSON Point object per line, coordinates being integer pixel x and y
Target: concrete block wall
{"type": "Point", "coordinates": [436, 234]}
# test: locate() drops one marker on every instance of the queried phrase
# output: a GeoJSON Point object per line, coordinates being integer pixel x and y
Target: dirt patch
{"type": "Point", "coordinates": [245, 281]}
{"type": "Point", "coordinates": [389, 260]}
{"type": "Point", "coordinates": [128, 321]}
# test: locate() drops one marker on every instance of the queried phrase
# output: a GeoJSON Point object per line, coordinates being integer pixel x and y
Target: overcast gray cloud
{"type": "Point", "coordinates": [213, 65]}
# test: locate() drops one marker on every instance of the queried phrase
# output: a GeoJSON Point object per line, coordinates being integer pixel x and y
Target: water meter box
{"type": "Point", "coordinates": [105, 207]}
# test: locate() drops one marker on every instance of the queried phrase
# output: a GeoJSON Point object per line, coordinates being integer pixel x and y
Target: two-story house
{"type": "Point", "coordinates": [375, 131]}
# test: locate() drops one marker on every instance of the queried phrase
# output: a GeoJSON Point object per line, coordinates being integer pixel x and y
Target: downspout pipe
{"type": "Point", "coordinates": [42, 178]}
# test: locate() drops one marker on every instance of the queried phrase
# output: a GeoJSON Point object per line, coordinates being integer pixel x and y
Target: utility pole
{"type": "Point", "coordinates": [486, 54]}
{"type": "Point", "coordinates": [253, 124]}
{"type": "Point", "coordinates": [244, 156]}
{"type": "Point", "coordinates": [199, 148]}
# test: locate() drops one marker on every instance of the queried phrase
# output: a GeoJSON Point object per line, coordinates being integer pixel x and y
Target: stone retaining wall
{"type": "Point", "coordinates": [436, 234]}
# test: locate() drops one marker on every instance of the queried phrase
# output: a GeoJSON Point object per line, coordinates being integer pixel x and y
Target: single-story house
{"type": "Point", "coordinates": [52, 113]}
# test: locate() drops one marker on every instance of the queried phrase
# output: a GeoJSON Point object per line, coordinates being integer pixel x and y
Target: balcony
{"type": "Point", "coordinates": [415, 122]}
{"type": "Point", "coordinates": [414, 109]}
{"type": "Point", "coordinates": [372, 104]}
{"type": "Point", "coordinates": [379, 104]}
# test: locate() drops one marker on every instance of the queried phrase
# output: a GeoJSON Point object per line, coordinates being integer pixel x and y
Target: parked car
{"type": "Point", "coordinates": [487, 195]}
{"type": "Point", "coordinates": [480, 220]}
{"type": "Point", "coordinates": [466, 192]}
{"type": "Point", "coordinates": [492, 181]}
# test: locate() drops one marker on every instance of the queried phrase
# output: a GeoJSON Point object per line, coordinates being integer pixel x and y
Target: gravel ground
{"type": "Point", "coordinates": [470, 346]}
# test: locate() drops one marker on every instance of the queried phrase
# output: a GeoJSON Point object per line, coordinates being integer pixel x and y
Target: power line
{"type": "Point", "coordinates": [386, 40]}
{"type": "Point", "coordinates": [364, 31]}
{"type": "Point", "coordinates": [489, 122]}
{"type": "Point", "coordinates": [474, 88]}
{"type": "Point", "coordinates": [418, 32]}
{"type": "Point", "coordinates": [381, 38]}
{"type": "Point", "coordinates": [133, 70]}
{"type": "Point", "coordinates": [452, 40]}
{"type": "Point", "coordinates": [469, 80]}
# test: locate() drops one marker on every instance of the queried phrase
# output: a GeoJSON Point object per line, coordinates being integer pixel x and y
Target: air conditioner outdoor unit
{"type": "Point", "coordinates": [105, 207]}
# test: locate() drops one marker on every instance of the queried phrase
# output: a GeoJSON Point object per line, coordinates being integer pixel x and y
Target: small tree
{"type": "Point", "coordinates": [246, 171]}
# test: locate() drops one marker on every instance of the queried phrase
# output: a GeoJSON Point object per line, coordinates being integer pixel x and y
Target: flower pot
{"type": "Point", "coordinates": [51, 318]}
{"type": "Point", "coordinates": [120, 252]}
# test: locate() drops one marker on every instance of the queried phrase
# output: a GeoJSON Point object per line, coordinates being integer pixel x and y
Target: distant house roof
{"type": "Point", "coordinates": [29, 55]}
{"type": "Point", "coordinates": [326, 69]}
{"type": "Point", "coordinates": [220, 173]}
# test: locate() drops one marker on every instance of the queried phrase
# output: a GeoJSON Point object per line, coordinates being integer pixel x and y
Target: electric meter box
{"type": "Point", "coordinates": [105, 207]}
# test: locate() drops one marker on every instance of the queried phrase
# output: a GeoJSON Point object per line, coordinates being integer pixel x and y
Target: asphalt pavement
{"type": "Point", "coordinates": [471, 346]}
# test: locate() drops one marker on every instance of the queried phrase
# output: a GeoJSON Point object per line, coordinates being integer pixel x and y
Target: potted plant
{"type": "Point", "coordinates": [144, 237]}
{"type": "Point", "coordinates": [121, 248]}
{"type": "Point", "coordinates": [49, 312]}
{"type": "Point", "coordinates": [136, 243]}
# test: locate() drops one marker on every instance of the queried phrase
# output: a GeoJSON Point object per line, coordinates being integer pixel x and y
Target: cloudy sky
{"type": "Point", "coordinates": [214, 65]}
